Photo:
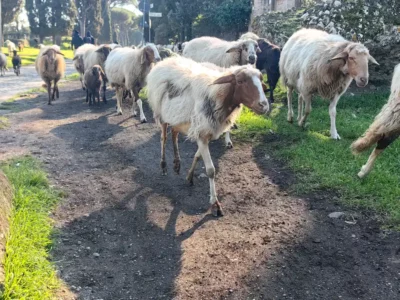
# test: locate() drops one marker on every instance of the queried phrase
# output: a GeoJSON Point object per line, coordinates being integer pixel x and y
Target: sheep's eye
{"type": "Point", "coordinates": [240, 82]}
{"type": "Point", "coordinates": [352, 58]}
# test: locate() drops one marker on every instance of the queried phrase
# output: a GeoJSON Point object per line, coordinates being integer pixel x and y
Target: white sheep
{"type": "Point", "coordinates": [127, 69]}
{"type": "Point", "coordinates": [11, 47]}
{"type": "Point", "coordinates": [50, 65]}
{"type": "Point", "coordinates": [201, 103]}
{"type": "Point", "coordinates": [315, 62]}
{"type": "Point", "coordinates": [384, 130]}
{"type": "Point", "coordinates": [222, 53]}
{"type": "Point", "coordinates": [114, 45]}
{"type": "Point", "coordinates": [3, 64]}
{"type": "Point", "coordinates": [78, 60]}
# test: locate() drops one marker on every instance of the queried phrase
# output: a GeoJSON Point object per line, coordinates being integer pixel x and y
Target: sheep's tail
{"type": "Point", "coordinates": [385, 123]}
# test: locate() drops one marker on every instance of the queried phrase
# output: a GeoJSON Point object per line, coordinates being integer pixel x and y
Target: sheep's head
{"type": "Point", "coordinates": [150, 54]}
{"type": "Point", "coordinates": [98, 73]}
{"type": "Point", "coordinates": [353, 60]}
{"type": "Point", "coordinates": [105, 50]}
{"type": "Point", "coordinates": [248, 50]}
{"type": "Point", "coordinates": [51, 54]}
{"type": "Point", "coordinates": [248, 88]}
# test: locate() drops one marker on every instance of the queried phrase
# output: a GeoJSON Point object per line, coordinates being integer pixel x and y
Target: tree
{"type": "Point", "coordinates": [233, 15]}
{"type": "Point", "coordinates": [10, 10]}
{"type": "Point", "coordinates": [89, 16]}
{"type": "Point", "coordinates": [50, 17]}
{"type": "Point", "coordinates": [124, 23]}
{"type": "Point", "coordinates": [105, 35]}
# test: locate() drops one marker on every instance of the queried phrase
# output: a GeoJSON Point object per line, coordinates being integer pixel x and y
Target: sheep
{"type": "Point", "coordinates": [96, 56]}
{"type": "Point", "coordinates": [114, 45]}
{"type": "Point", "coordinates": [3, 64]}
{"type": "Point", "coordinates": [11, 47]}
{"type": "Point", "coordinates": [165, 53]}
{"type": "Point", "coordinates": [222, 53]}
{"type": "Point", "coordinates": [127, 69]}
{"type": "Point", "coordinates": [315, 62]}
{"type": "Point", "coordinates": [201, 103]}
{"type": "Point", "coordinates": [50, 65]}
{"type": "Point", "coordinates": [78, 60]}
{"type": "Point", "coordinates": [267, 60]}
{"type": "Point", "coordinates": [21, 46]}
{"type": "Point", "coordinates": [384, 130]}
{"type": "Point", "coordinates": [16, 61]}
{"type": "Point", "coordinates": [94, 78]}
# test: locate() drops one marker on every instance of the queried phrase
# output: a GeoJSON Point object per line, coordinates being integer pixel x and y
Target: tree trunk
{"type": "Point", "coordinates": [82, 24]}
{"type": "Point", "coordinates": [189, 31]}
{"type": "Point", "coordinates": [182, 37]}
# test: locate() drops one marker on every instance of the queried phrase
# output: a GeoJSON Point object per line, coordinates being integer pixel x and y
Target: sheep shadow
{"type": "Point", "coordinates": [346, 258]}
{"type": "Point", "coordinates": [130, 248]}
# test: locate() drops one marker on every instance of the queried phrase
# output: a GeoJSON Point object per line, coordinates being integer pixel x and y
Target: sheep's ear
{"type": "Point", "coordinates": [45, 52]}
{"type": "Point", "coordinates": [58, 52]}
{"type": "Point", "coordinates": [234, 48]}
{"type": "Point", "coordinates": [342, 55]}
{"type": "Point", "coordinates": [100, 50]}
{"type": "Point", "coordinates": [258, 50]}
{"type": "Point", "coordinates": [265, 87]}
{"type": "Point", "coordinates": [75, 58]}
{"type": "Point", "coordinates": [225, 79]}
{"type": "Point", "coordinates": [371, 59]}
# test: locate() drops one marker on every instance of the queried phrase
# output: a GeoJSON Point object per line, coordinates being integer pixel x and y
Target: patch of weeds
{"type": "Point", "coordinates": [28, 272]}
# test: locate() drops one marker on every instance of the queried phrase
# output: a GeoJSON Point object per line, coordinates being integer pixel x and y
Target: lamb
{"type": "Point", "coordinates": [384, 130]}
{"type": "Point", "coordinates": [315, 62]}
{"type": "Point", "coordinates": [222, 53]}
{"type": "Point", "coordinates": [50, 65]}
{"type": "Point", "coordinates": [94, 78]}
{"type": "Point", "coordinates": [3, 64]}
{"type": "Point", "coordinates": [16, 61]}
{"type": "Point", "coordinates": [78, 60]}
{"type": "Point", "coordinates": [97, 56]}
{"type": "Point", "coordinates": [201, 103]}
{"type": "Point", "coordinates": [267, 60]}
{"type": "Point", "coordinates": [165, 53]}
{"type": "Point", "coordinates": [11, 47]}
{"type": "Point", "coordinates": [127, 69]}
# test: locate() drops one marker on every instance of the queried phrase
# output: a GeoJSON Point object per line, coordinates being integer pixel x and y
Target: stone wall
{"type": "Point", "coordinates": [375, 23]}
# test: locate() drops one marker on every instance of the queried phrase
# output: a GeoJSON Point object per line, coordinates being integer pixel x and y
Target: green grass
{"type": "Point", "coordinates": [322, 164]}
{"type": "Point", "coordinates": [3, 122]}
{"type": "Point", "coordinates": [28, 55]}
{"type": "Point", "coordinates": [28, 272]}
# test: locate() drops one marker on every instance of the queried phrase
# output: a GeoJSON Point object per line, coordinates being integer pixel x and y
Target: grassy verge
{"type": "Point", "coordinates": [28, 272]}
{"type": "Point", "coordinates": [28, 55]}
{"type": "Point", "coordinates": [324, 164]}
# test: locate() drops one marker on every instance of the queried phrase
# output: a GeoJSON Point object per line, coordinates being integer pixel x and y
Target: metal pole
{"type": "Point", "coordinates": [1, 32]}
{"type": "Point", "coordinates": [144, 19]}
{"type": "Point", "coordinates": [149, 23]}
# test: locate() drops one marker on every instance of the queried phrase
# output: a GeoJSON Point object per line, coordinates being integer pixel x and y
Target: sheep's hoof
{"type": "Point", "coordinates": [143, 121]}
{"type": "Point", "coordinates": [48, 103]}
{"type": "Point", "coordinates": [362, 173]}
{"type": "Point", "coordinates": [229, 145]}
{"type": "Point", "coordinates": [163, 165]}
{"type": "Point", "coordinates": [335, 137]}
{"type": "Point", "coordinates": [83, 88]}
{"type": "Point", "coordinates": [216, 210]}
{"type": "Point", "coordinates": [189, 178]}
{"type": "Point", "coordinates": [177, 166]}
{"type": "Point", "coordinates": [290, 119]}
{"type": "Point", "coordinates": [234, 126]}
{"type": "Point", "coordinates": [119, 113]}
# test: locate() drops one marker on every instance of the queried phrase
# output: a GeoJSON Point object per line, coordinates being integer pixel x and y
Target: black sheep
{"type": "Point", "coordinates": [16, 61]}
{"type": "Point", "coordinates": [268, 60]}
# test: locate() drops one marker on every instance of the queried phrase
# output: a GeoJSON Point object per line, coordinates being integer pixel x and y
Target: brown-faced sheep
{"type": "Point", "coordinates": [201, 103]}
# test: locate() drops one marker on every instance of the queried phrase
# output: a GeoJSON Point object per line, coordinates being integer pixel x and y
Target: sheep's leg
{"type": "Point", "coordinates": [104, 92]}
{"type": "Point", "coordinates": [332, 114]}
{"type": "Point", "coordinates": [228, 141]}
{"type": "Point", "coordinates": [81, 79]}
{"type": "Point", "coordinates": [307, 109]}
{"type": "Point", "coordinates": [87, 96]}
{"type": "Point", "coordinates": [380, 147]}
{"type": "Point", "coordinates": [300, 107]}
{"type": "Point", "coordinates": [289, 104]}
{"type": "Point", "coordinates": [216, 208]}
{"type": "Point", "coordinates": [177, 158]}
{"type": "Point", "coordinates": [140, 104]}
{"type": "Point", "coordinates": [48, 83]}
{"type": "Point", "coordinates": [56, 89]}
{"type": "Point", "coordinates": [119, 92]}
{"type": "Point", "coordinates": [98, 97]}
{"type": "Point", "coordinates": [193, 167]}
{"type": "Point", "coordinates": [163, 143]}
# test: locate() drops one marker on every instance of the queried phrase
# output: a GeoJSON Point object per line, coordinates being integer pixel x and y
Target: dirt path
{"type": "Point", "coordinates": [11, 85]}
{"type": "Point", "coordinates": [126, 232]}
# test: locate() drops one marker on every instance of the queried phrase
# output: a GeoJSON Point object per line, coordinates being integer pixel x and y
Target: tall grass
{"type": "Point", "coordinates": [28, 272]}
